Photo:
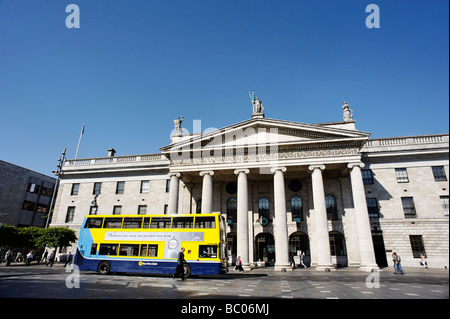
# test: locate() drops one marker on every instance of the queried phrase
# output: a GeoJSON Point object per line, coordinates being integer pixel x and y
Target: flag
{"type": "Point", "coordinates": [82, 129]}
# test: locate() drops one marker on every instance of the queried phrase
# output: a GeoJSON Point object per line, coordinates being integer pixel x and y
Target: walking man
{"type": "Point", "coordinates": [397, 263]}
{"type": "Point", "coordinates": [179, 272]}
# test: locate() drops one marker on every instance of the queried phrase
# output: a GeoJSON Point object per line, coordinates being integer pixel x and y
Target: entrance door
{"type": "Point", "coordinates": [380, 251]}
{"type": "Point", "coordinates": [265, 248]}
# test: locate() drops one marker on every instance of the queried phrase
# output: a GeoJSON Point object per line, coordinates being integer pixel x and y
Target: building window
{"type": "Point", "coordinates": [33, 188]}
{"type": "Point", "coordinates": [27, 205]}
{"type": "Point", "coordinates": [97, 189]}
{"type": "Point", "coordinates": [337, 244]}
{"type": "Point", "coordinates": [120, 187]}
{"type": "Point", "coordinates": [75, 188]}
{"type": "Point", "coordinates": [167, 185]}
{"type": "Point", "coordinates": [117, 210]}
{"type": "Point", "coordinates": [264, 208]}
{"type": "Point", "coordinates": [198, 207]}
{"type": "Point", "coordinates": [41, 208]}
{"type": "Point", "coordinates": [231, 211]}
{"type": "Point", "coordinates": [408, 207]}
{"type": "Point", "coordinates": [402, 175]}
{"type": "Point", "coordinates": [367, 176]}
{"type": "Point", "coordinates": [417, 246]}
{"type": "Point", "coordinates": [93, 210]}
{"type": "Point", "coordinates": [46, 192]}
{"type": "Point", "coordinates": [444, 202]}
{"type": "Point", "coordinates": [372, 207]}
{"type": "Point", "coordinates": [439, 173]}
{"type": "Point", "coordinates": [166, 207]}
{"type": "Point", "coordinates": [330, 202]}
{"type": "Point", "coordinates": [142, 209]}
{"type": "Point", "coordinates": [297, 209]}
{"type": "Point", "coordinates": [145, 187]}
{"type": "Point", "coordinates": [70, 214]}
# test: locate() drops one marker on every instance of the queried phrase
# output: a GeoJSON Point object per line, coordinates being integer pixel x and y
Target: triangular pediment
{"type": "Point", "coordinates": [260, 132]}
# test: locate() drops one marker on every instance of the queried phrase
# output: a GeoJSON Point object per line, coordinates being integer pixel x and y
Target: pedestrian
{"type": "Point", "coordinates": [423, 260]}
{"type": "Point", "coordinates": [292, 261]}
{"type": "Point", "coordinates": [179, 271]}
{"type": "Point", "coordinates": [397, 263]}
{"type": "Point", "coordinates": [51, 259]}
{"type": "Point", "coordinates": [69, 259]}
{"type": "Point", "coordinates": [29, 258]}
{"type": "Point", "coordinates": [302, 259]}
{"type": "Point", "coordinates": [44, 257]}
{"type": "Point", "coordinates": [8, 257]}
{"type": "Point", "coordinates": [239, 265]}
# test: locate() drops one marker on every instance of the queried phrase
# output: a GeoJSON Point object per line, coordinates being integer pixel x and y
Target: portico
{"type": "Point", "coordinates": [245, 172]}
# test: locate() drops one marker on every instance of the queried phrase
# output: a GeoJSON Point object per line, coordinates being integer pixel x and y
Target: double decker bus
{"type": "Point", "coordinates": [150, 244]}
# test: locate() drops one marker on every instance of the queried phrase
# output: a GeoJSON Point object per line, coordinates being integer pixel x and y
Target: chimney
{"type": "Point", "coordinates": [111, 152]}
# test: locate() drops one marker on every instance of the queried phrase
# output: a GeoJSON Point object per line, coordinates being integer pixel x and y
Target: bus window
{"type": "Point", "coordinates": [207, 251]}
{"type": "Point", "coordinates": [205, 222]}
{"type": "Point", "coordinates": [113, 222]}
{"type": "Point", "coordinates": [129, 250]}
{"type": "Point", "coordinates": [183, 222]}
{"type": "Point", "coordinates": [108, 249]}
{"type": "Point", "coordinates": [146, 222]}
{"type": "Point", "coordinates": [152, 251]}
{"type": "Point", "coordinates": [94, 249]}
{"type": "Point", "coordinates": [143, 250]}
{"type": "Point", "coordinates": [160, 222]}
{"type": "Point", "coordinates": [95, 222]}
{"type": "Point", "coordinates": [132, 222]}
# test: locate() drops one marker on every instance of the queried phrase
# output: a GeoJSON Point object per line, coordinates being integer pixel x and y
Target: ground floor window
{"type": "Point", "coordinates": [337, 244]}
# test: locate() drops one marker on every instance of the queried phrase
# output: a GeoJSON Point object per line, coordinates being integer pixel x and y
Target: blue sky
{"type": "Point", "coordinates": [134, 66]}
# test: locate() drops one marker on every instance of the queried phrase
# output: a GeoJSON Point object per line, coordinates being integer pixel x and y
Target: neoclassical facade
{"type": "Point", "coordinates": [286, 188]}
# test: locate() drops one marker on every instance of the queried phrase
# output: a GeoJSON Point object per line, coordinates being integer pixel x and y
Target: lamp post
{"type": "Point", "coordinates": [57, 172]}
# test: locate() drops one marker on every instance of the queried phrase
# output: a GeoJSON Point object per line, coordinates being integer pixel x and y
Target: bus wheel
{"type": "Point", "coordinates": [104, 268]}
{"type": "Point", "coordinates": [187, 270]}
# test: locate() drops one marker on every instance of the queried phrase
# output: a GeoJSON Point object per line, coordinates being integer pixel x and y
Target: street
{"type": "Point", "coordinates": [39, 281]}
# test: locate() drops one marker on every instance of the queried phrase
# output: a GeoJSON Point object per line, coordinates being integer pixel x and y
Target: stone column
{"type": "Point", "coordinates": [320, 218]}
{"type": "Point", "coordinates": [367, 252]}
{"type": "Point", "coordinates": [173, 193]}
{"type": "Point", "coordinates": [280, 225]}
{"type": "Point", "coordinates": [207, 192]}
{"type": "Point", "coordinates": [242, 216]}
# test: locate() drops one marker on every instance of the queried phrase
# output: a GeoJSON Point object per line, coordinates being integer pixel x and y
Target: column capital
{"type": "Point", "coordinates": [311, 168]}
{"type": "Point", "coordinates": [353, 164]}
{"type": "Point", "coordinates": [174, 174]}
{"type": "Point", "coordinates": [206, 172]}
{"type": "Point", "coordinates": [241, 170]}
{"type": "Point", "coordinates": [273, 170]}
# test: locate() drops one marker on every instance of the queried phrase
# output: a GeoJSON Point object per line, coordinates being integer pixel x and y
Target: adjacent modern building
{"type": "Point", "coordinates": [324, 190]}
{"type": "Point", "coordinates": [25, 195]}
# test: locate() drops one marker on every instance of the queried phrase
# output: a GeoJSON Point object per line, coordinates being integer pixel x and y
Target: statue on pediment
{"type": "Point", "coordinates": [348, 112]}
{"type": "Point", "coordinates": [258, 108]}
{"type": "Point", "coordinates": [177, 124]}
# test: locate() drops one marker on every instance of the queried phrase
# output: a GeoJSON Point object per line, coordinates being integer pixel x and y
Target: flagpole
{"type": "Point", "coordinates": [79, 140]}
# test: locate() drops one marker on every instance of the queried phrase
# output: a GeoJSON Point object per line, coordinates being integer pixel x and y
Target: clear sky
{"type": "Point", "coordinates": [134, 66]}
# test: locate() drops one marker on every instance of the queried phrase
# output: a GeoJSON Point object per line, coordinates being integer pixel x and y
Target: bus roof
{"type": "Point", "coordinates": [155, 215]}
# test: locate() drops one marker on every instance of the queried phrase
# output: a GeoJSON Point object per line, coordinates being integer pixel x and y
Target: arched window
{"type": "Point", "coordinates": [297, 209]}
{"type": "Point", "coordinates": [330, 202]}
{"type": "Point", "coordinates": [263, 207]}
{"type": "Point", "coordinates": [231, 211]}
{"type": "Point", "coordinates": [299, 241]}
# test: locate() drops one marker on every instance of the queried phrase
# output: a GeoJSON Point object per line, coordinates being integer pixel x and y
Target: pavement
{"type": "Point", "coordinates": [39, 281]}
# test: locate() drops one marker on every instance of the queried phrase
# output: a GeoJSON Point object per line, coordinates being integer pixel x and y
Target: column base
{"type": "Point", "coordinates": [282, 267]}
{"type": "Point", "coordinates": [325, 267]}
{"type": "Point", "coordinates": [369, 268]}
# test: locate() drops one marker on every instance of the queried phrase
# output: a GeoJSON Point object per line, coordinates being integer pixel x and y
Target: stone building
{"type": "Point", "coordinates": [286, 188]}
{"type": "Point", "coordinates": [25, 195]}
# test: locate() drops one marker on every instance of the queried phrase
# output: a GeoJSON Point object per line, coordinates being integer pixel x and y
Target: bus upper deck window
{"type": "Point", "coordinates": [160, 222]}
{"type": "Point", "coordinates": [183, 222]}
{"type": "Point", "coordinates": [113, 222]}
{"type": "Point", "coordinates": [132, 222]}
{"type": "Point", "coordinates": [205, 222]}
{"type": "Point", "coordinates": [95, 222]}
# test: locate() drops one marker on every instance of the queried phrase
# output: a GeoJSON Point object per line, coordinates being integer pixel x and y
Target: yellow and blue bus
{"type": "Point", "coordinates": [150, 244]}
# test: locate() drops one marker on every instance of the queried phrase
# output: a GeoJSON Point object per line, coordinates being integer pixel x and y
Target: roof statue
{"type": "Point", "coordinates": [347, 112]}
{"type": "Point", "coordinates": [258, 108]}
{"type": "Point", "coordinates": [177, 124]}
